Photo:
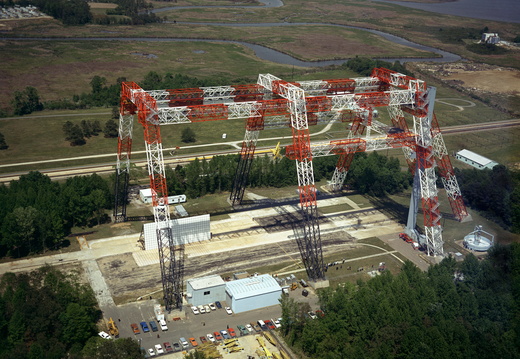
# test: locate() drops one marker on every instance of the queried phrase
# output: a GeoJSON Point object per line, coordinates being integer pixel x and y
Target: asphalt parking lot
{"type": "Point", "coordinates": [191, 326]}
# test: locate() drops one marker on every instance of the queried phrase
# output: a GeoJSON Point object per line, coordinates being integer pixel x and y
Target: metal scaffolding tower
{"type": "Point", "coordinates": [275, 103]}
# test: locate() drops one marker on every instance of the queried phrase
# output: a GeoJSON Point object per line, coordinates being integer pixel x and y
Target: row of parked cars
{"type": "Point", "coordinates": [201, 309]}
{"type": "Point", "coordinates": [152, 326]}
{"type": "Point", "coordinates": [215, 337]}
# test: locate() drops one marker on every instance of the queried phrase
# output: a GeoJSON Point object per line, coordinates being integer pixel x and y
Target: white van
{"type": "Point", "coordinates": [162, 323]}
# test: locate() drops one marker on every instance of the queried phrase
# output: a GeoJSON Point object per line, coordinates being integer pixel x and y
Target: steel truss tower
{"type": "Point", "coordinates": [275, 103]}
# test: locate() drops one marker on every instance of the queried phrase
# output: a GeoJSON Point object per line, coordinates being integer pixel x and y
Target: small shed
{"type": "Point", "coordinates": [205, 290]}
{"type": "Point", "coordinates": [475, 160]}
{"type": "Point", "coordinates": [145, 195]}
{"type": "Point", "coordinates": [251, 293]}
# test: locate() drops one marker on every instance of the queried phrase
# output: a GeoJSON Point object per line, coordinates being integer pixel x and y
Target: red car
{"type": "Point", "coordinates": [217, 335]}
{"type": "Point", "coordinates": [269, 324]}
{"type": "Point", "coordinates": [135, 328]}
{"type": "Point", "coordinates": [203, 340]}
{"type": "Point", "coordinates": [231, 332]}
{"type": "Point", "coordinates": [168, 347]}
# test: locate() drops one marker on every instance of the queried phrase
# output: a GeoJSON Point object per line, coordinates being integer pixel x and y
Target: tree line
{"type": "Point", "coordinates": [495, 193]}
{"type": "Point", "coordinates": [36, 214]}
{"type": "Point", "coordinates": [372, 174]}
{"type": "Point", "coordinates": [454, 310]}
{"type": "Point", "coordinates": [77, 12]}
{"type": "Point", "coordinates": [47, 314]}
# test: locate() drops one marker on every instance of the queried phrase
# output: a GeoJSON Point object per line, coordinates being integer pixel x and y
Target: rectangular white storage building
{"type": "Point", "coordinates": [185, 230]}
{"type": "Point", "coordinates": [475, 160]}
{"type": "Point", "coordinates": [205, 290]}
{"type": "Point", "coordinates": [252, 293]}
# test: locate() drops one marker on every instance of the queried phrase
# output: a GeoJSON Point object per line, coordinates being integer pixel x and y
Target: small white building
{"type": "Point", "coordinates": [205, 290]}
{"type": "Point", "coordinates": [490, 38]}
{"type": "Point", "coordinates": [251, 293]}
{"type": "Point", "coordinates": [475, 160]}
{"type": "Point", "coordinates": [146, 197]}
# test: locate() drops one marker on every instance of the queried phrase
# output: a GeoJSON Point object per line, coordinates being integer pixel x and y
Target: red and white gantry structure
{"type": "Point", "coordinates": [272, 103]}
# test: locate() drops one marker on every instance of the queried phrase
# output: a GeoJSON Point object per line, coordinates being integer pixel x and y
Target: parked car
{"type": "Point", "coordinates": [203, 340]}
{"type": "Point", "coordinates": [159, 349]}
{"type": "Point", "coordinates": [193, 342]}
{"type": "Point", "coordinates": [242, 330]}
{"type": "Point", "coordinates": [145, 328]}
{"type": "Point", "coordinates": [218, 305]}
{"type": "Point", "coordinates": [276, 323]}
{"type": "Point", "coordinates": [269, 324]}
{"type": "Point", "coordinates": [195, 310]}
{"type": "Point", "coordinates": [135, 328]}
{"type": "Point", "coordinates": [153, 326]}
{"type": "Point", "coordinates": [163, 325]}
{"type": "Point", "coordinates": [229, 311]}
{"type": "Point", "coordinates": [211, 338]}
{"type": "Point", "coordinates": [168, 347]}
{"type": "Point", "coordinates": [232, 333]}
{"type": "Point", "coordinates": [176, 346]}
{"type": "Point", "coordinates": [217, 336]}
{"type": "Point", "coordinates": [201, 309]}
{"type": "Point", "coordinates": [151, 352]}
{"type": "Point", "coordinates": [212, 306]}
{"type": "Point", "coordinates": [312, 315]}
{"type": "Point", "coordinates": [249, 328]}
{"type": "Point", "coordinates": [225, 334]}
{"type": "Point", "coordinates": [256, 327]}
{"type": "Point", "coordinates": [183, 342]}
{"type": "Point", "coordinates": [207, 308]}
{"type": "Point", "coordinates": [104, 335]}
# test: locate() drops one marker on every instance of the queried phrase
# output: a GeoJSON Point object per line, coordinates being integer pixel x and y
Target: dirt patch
{"type": "Point", "coordinates": [495, 85]}
{"type": "Point", "coordinates": [494, 80]}
{"type": "Point", "coordinates": [98, 5]}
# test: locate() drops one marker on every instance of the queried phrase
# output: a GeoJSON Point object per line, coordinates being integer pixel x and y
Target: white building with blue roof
{"type": "Point", "coordinates": [251, 293]}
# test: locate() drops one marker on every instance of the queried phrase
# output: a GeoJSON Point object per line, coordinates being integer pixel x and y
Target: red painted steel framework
{"type": "Point", "coordinates": [272, 103]}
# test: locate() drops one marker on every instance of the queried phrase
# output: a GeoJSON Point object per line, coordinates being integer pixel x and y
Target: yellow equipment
{"type": "Point", "coordinates": [276, 151]}
{"type": "Point", "coordinates": [112, 328]}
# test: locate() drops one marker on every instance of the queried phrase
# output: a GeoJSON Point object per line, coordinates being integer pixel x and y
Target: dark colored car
{"type": "Point", "coordinates": [168, 347]}
{"type": "Point", "coordinates": [231, 332]}
{"type": "Point", "coordinates": [135, 328]}
{"type": "Point", "coordinates": [153, 326]}
{"type": "Point", "coordinates": [203, 340]}
{"type": "Point", "coordinates": [219, 306]}
{"type": "Point", "coordinates": [145, 328]}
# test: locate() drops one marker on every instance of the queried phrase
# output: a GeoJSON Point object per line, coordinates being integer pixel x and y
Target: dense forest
{"type": "Point", "coordinates": [495, 193]}
{"type": "Point", "coordinates": [49, 314]}
{"type": "Point", "coordinates": [454, 310]}
{"type": "Point", "coordinates": [372, 174]}
{"type": "Point", "coordinates": [36, 213]}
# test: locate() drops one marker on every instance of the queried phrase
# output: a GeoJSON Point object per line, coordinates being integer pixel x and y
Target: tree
{"type": "Point", "coordinates": [111, 129]}
{"type": "Point", "coordinates": [26, 101]}
{"type": "Point", "coordinates": [73, 134]}
{"type": "Point", "coordinates": [188, 135]}
{"type": "Point", "coordinates": [3, 144]}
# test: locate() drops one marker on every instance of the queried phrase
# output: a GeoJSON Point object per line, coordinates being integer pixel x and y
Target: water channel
{"type": "Point", "coordinates": [266, 53]}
